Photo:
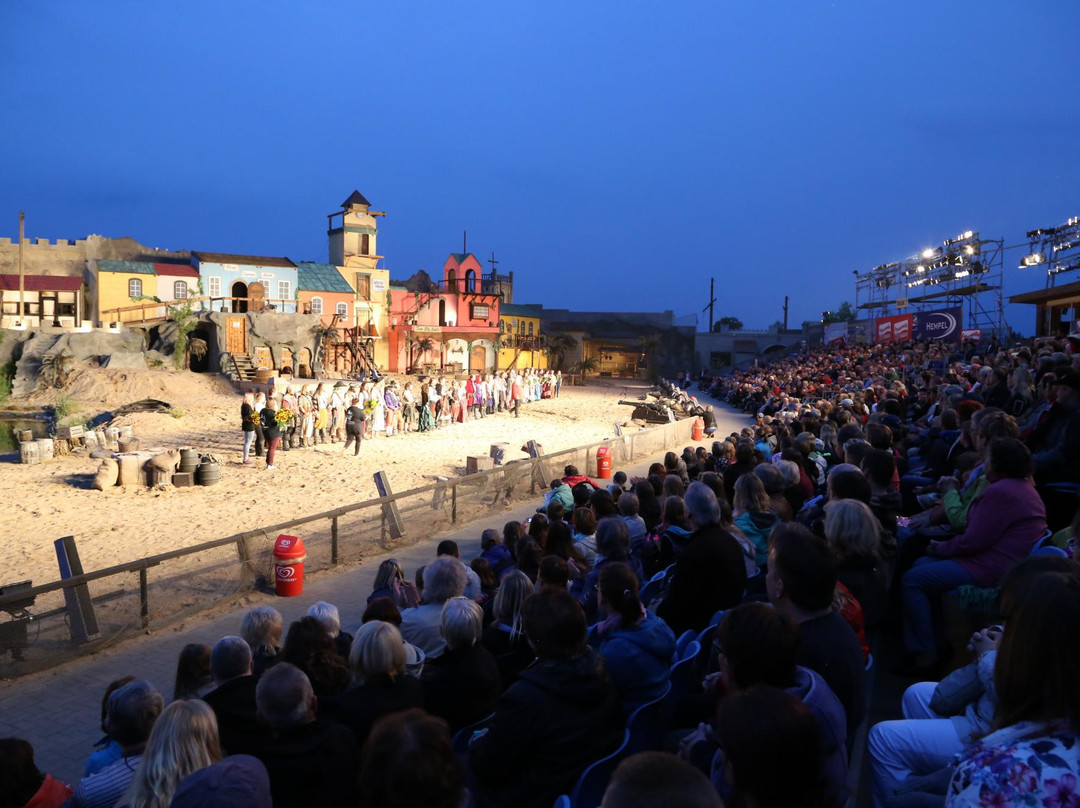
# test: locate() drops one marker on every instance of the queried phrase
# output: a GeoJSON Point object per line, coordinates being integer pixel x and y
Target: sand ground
{"type": "Point", "coordinates": [54, 499]}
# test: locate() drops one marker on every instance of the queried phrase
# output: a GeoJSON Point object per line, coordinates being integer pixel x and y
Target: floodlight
{"type": "Point", "coordinates": [928, 252]}
{"type": "Point", "coordinates": [1032, 260]}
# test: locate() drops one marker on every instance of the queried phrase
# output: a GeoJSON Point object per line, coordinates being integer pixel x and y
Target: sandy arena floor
{"type": "Point", "coordinates": [54, 499]}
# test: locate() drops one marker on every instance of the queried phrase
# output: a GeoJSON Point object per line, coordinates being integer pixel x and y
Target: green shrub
{"type": "Point", "coordinates": [63, 407]}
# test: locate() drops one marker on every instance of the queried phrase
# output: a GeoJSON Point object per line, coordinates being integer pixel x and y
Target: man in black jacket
{"type": "Point", "coordinates": [310, 762]}
{"type": "Point", "coordinates": [710, 573]}
{"type": "Point", "coordinates": [233, 698]}
{"type": "Point", "coordinates": [557, 718]}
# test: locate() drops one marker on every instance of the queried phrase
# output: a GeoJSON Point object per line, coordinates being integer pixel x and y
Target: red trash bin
{"type": "Point", "coordinates": [603, 463]}
{"type": "Point", "coordinates": [699, 429]}
{"type": "Point", "coordinates": [289, 555]}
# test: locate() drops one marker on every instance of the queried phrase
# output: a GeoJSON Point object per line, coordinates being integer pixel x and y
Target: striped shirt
{"type": "Point", "coordinates": [102, 790]}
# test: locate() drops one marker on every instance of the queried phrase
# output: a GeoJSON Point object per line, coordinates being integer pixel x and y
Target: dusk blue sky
{"type": "Point", "coordinates": [614, 155]}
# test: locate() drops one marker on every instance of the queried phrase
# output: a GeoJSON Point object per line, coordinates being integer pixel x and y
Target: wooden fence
{"type": "Point", "coordinates": [153, 592]}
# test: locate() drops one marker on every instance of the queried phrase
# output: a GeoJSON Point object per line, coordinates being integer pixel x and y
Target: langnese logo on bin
{"type": "Point", "coordinates": [286, 573]}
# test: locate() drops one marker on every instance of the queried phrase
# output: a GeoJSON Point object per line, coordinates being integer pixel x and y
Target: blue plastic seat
{"type": "Point", "coordinates": [653, 588]}
{"type": "Point", "coordinates": [464, 735]}
{"type": "Point", "coordinates": [683, 672]}
{"type": "Point", "coordinates": [687, 637]}
{"type": "Point", "coordinates": [648, 724]}
{"type": "Point", "coordinates": [1050, 550]}
{"type": "Point", "coordinates": [590, 787]}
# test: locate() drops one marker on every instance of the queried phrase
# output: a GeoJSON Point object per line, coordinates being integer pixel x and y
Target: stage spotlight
{"type": "Point", "coordinates": [969, 250]}
{"type": "Point", "coordinates": [928, 252]}
{"type": "Point", "coordinates": [1032, 260]}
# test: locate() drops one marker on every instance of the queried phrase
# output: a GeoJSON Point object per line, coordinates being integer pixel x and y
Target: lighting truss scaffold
{"type": "Point", "coordinates": [1055, 249]}
{"type": "Point", "coordinates": [965, 270]}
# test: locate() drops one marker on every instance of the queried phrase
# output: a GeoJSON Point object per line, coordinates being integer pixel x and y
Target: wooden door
{"type": "Point", "coordinates": [263, 359]}
{"type": "Point", "coordinates": [286, 360]}
{"type": "Point", "coordinates": [478, 358]}
{"type": "Point", "coordinates": [236, 335]}
{"type": "Point", "coordinates": [256, 296]}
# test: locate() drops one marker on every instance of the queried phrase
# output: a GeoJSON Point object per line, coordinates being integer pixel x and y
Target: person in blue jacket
{"type": "Point", "coordinates": [636, 644]}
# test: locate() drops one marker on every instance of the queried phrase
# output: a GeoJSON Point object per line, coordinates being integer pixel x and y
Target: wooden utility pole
{"type": "Point", "coordinates": [712, 301]}
{"type": "Point", "coordinates": [465, 241]}
{"type": "Point", "coordinates": [22, 281]}
{"type": "Point", "coordinates": [785, 311]}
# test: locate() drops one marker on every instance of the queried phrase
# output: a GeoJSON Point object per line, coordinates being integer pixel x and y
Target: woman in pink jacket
{"type": "Point", "coordinates": [1003, 525]}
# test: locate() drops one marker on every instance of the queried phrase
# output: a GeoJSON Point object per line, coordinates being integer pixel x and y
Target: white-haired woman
{"type": "Point", "coordinates": [261, 628]}
{"type": "Point", "coordinates": [329, 618]}
{"type": "Point", "coordinates": [462, 684]}
{"type": "Point", "coordinates": [379, 683]}
{"type": "Point", "coordinates": [184, 740]}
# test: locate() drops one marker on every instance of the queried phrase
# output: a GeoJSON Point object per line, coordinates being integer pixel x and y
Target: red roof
{"type": "Point", "coordinates": [42, 283]}
{"type": "Point", "coordinates": [179, 270]}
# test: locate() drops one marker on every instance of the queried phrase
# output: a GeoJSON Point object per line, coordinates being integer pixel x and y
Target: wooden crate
{"type": "Point", "coordinates": [475, 463]}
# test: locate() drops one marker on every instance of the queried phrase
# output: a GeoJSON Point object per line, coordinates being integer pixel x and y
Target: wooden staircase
{"type": "Point", "coordinates": [244, 367]}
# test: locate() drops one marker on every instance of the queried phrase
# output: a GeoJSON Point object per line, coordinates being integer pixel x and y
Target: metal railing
{"type": "Point", "coordinates": [268, 304]}
{"type": "Point", "coordinates": [151, 593]}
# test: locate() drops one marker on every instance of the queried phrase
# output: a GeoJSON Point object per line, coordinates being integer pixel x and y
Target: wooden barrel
{"type": "Point", "coordinates": [45, 448]}
{"type": "Point", "coordinates": [129, 444]}
{"type": "Point", "coordinates": [208, 473]}
{"type": "Point", "coordinates": [189, 461]}
{"type": "Point", "coordinates": [264, 375]}
{"type": "Point", "coordinates": [29, 453]}
{"type": "Point", "coordinates": [25, 435]}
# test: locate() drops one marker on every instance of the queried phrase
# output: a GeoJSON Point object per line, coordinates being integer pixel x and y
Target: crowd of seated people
{"type": "Point", "coordinates": [874, 482]}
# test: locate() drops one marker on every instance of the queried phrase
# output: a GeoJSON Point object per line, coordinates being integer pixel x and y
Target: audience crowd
{"type": "Point", "coordinates": [887, 500]}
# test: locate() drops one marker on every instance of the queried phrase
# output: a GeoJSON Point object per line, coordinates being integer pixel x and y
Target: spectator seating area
{"type": "Point", "coordinates": [716, 632]}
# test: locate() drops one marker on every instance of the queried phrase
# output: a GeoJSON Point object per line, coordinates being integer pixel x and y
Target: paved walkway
{"type": "Point", "coordinates": [58, 710]}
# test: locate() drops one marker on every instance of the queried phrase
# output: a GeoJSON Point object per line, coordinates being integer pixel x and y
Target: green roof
{"type": "Point", "coordinates": [129, 267]}
{"type": "Point", "coordinates": [516, 310]}
{"type": "Point", "coordinates": [313, 277]}
{"type": "Point", "coordinates": [460, 257]}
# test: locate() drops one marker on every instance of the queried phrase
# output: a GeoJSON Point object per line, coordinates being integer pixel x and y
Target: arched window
{"type": "Point", "coordinates": [521, 328]}
{"type": "Point", "coordinates": [530, 328]}
{"type": "Point", "coordinates": [316, 305]}
{"type": "Point", "coordinates": [134, 288]}
{"type": "Point", "coordinates": [342, 309]}
{"type": "Point", "coordinates": [470, 281]}
{"type": "Point", "coordinates": [180, 290]}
